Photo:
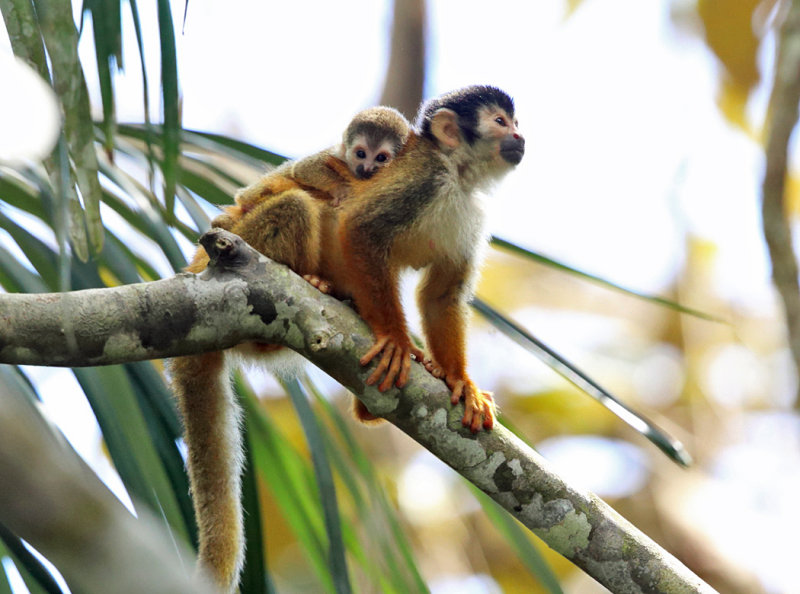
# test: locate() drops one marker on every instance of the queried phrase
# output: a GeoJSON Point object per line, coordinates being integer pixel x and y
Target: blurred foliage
{"type": "Point", "coordinates": [320, 484]}
{"type": "Point", "coordinates": [734, 32]}
{"type": "Point", "coordinates": [729, 32]}
{"type": "Point", "coordinates": [320, 492]}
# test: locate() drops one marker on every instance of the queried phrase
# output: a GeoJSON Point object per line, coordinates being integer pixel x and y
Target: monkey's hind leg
{"type": "Point", "coordinates": [212, 418]}
{"type": "Point", "coordinates": [285, 228]}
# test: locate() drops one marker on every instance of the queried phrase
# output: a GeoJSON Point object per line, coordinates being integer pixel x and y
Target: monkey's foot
{"type": "Point", "coordinates": [395, 361]}
{"type": "Point", "coordinates": [479, 405]}
{"type": "Point", "coordinates": [323, 285]}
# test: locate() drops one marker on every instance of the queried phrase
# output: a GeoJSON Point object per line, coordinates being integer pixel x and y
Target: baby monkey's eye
{"type": "Point", "coordinates": [501, 120]}
{"type": "Point", "coordinates": [361, 154]}
{"type": "Point", "coordinates": [382, 158]}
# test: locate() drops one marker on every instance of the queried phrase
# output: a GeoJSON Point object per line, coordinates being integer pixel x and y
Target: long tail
{"type": "Point", "coordinates": [212, 419]}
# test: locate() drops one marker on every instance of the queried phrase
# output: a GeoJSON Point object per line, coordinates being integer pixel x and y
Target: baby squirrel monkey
{"type": "Point", "coordinates": [421, 212]}
{"type": "Point", "coordinates": [371, 140]}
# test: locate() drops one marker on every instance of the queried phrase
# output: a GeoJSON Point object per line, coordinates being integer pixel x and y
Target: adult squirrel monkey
{"type": "Point", "coordinates": [422, 211]}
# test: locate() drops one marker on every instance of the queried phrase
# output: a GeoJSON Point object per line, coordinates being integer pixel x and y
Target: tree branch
{"type": "Point", "coordinates": [243, 295]}
{"type": "Point", "coordinates": [782, 118]}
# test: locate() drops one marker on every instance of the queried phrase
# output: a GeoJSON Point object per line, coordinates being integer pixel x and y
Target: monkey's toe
{"type": "Point", "coordinates": [479, 407]}
{"type": "Point", "coordinates": [323, 285]}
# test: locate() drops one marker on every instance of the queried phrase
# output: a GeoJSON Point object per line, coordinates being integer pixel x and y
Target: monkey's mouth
{"type": "Point", "coordinates": [512, 155]}
{"type": "Point", "coordinates": [512, 149]}
{"type": "Point", "coordinates": [362, 173]}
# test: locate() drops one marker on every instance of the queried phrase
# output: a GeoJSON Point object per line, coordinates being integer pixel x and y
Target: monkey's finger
{"type": "Point", "coordinates": [458, 389]}
{"type": "Point", "coordinates": [489, 411]}
{"type": "Point", "coordinates": [374, 350]}
{"type": "Point", "coordinates": [419, 355]}
{"type": "Point", "coordinates": [473, 414]}
{"type": "Point", "coordinates": [434, 369]}
{"type": "Point", "coordinates": [383, 365]}
{"type": "Point", "coordinates": [394, 369]}
{"type": "Point", "coordinates": [402, 379]}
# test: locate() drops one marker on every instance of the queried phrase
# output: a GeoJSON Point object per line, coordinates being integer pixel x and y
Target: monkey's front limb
{"type": "Point", "coordinates": [442, 303]}
{"type": "Point", "coordinates": [374, 285]}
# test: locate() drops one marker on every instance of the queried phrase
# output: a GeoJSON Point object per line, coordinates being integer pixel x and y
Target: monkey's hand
{"type": "Point", "coordinates": [395, 361]}
{"type": "Point", "coordinates": [479, 405]}
{"type": "Point", "coordinates": [339, 194]}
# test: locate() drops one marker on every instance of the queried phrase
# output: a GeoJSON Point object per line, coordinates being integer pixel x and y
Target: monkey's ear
{"type": "Point", "coordinates": [444, 127]}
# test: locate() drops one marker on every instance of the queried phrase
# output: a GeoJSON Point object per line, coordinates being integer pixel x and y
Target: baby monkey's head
{"type": "Point", "coordinates": [372, 139]}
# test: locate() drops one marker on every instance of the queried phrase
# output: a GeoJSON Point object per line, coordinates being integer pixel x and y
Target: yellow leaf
{"type": "Point", "coordinates": [731, 36]}
{"type": "Point", "coordinates": [572, 6]}
{"type": "Point", "coordinates": [791, 194]}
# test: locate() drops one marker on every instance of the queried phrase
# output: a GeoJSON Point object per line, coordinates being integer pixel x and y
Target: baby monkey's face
{"type": "Point", "coordinates": [365, 156]}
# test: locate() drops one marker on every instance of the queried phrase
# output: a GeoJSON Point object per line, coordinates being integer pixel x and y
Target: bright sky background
{"type": "Point", "coordinates": [626, 149]}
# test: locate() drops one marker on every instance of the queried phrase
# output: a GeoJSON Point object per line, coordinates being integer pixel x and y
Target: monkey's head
{"type": "Point", "coordinates": [372, 139]}
{"type": "Point", "coordinates": [477, 121]}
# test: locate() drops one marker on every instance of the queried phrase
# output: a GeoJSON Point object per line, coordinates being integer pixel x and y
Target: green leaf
{"type": "Point", "coordinates": [36, 577]}
{"type": "Point", "coordinates": [5, 584]}
{"type": "Point", "coordinates": [61, 41]}
{"type": "Point", "coordinates": [537, 257]}
{"type": "Point", "coordinates": [327, 488]}
{"type": "Point", "coordinates": [666, 443]}
{"type": "Point", "coordinates": [19, 195]}
{"type": "Point", "coordinates": [15, 278]}
{"type": "Point", "coordinates": [38, 253]}
{"type": "Point", "coordinates": [169, 90]}
{"type": "Point", "coordinates": [12, 377]}
{"type": "Point", "coordinates": [24, 34]}
{"type": "Point", "coordinates": [161, 417]}
{"type": "Point", "coordinates": [290, 480]}
{"type": "Point", "coordinates": [70, 219]}
{"type": "Point", "coordinates": [205, 188]}
{"type": "Point", "coordinates": [122, 262]}
{"type": "Point", "coordinates": [107, 29]}
{"type": "Point", "coordinates": [148, 220]}
{"type": "Point", "coordinates": [130, 443]}
{"type": "Point", "coordinates": [395, 569]}
{"type": "Point", "coordinates": [148, 136]}
{"type": "Point", "coordinates": [255, 577]}
{"type": "Point", "coordinates": [215, 143]}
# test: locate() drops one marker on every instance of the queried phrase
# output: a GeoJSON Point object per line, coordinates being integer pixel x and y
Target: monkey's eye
{"type": "Point", "coordinates": [501, 120]}
{"type": "Point", "coordinates": [382, 158]}
{"type": "Point", "coordinates": [361, 154]}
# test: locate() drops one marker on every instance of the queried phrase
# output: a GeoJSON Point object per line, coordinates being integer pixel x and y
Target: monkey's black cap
{"type": "Point", "coordinates": [465, 103]}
